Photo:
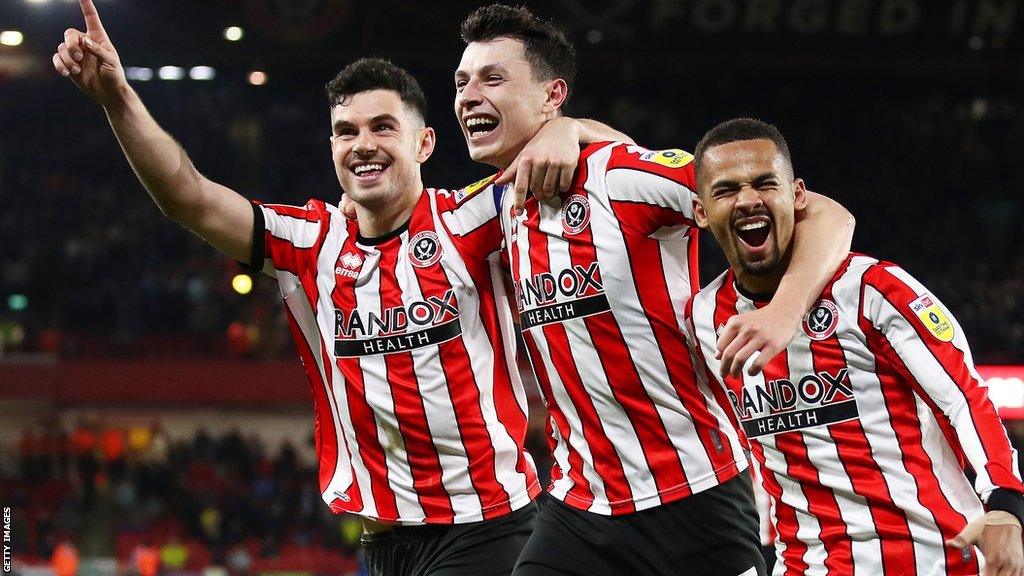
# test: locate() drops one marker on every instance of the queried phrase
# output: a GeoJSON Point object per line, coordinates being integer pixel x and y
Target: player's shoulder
{"type": "Point", "coordinates": [631, 156]}
{"type": "Point", "coordinates": [312, 210]}
{"type": "Point", "coordinates": [453, 197]}
{"type": "Point", "coordinates": [707, 297]}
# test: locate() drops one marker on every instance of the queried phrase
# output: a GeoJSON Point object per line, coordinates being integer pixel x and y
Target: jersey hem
{"type": "Point", "coordinates": [513, 504]}
{"type": "Point", "coordinates": [667, 496]}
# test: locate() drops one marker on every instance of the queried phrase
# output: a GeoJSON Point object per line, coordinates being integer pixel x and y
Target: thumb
{"type": "Point", "coordinates": [969, 535]}
{"type": "Point", "coordinates": [509, 174]}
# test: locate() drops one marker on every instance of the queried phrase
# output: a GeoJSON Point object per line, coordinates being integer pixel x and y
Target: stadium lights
{"type": "Point", "coordinates": [202, 73]}
{"type": "Point", "coordinates": [139, 74]}
{"type": "Point", "coordinates": [11, 38]}
{"type": "Point", "coordinates": [233, 33]}
{"type": "Point", "coordinates": [17, 302]}
{"type": "Point", "coordinates": [171, 73]}
{"type": "Point", "coordinates": [257, 78]}
{"type": "Point", "coordinates": [242, 283]}
{"type": "Point", "coordinates": [38, 1]}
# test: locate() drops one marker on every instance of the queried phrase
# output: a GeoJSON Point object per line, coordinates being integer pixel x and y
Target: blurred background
{"type": "Point", "coordinates": [153, 413]}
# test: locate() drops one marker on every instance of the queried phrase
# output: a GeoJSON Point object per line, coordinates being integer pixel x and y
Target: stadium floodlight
{"type": "Point", "coordinates": [257, 78]}
{"type": "Point", "coordinates": [17, 302]}
{"type": "Point", "coordinates": [242, 283]}
{"type": "Point", "coordinates": [138, 74]}
{"type": "Point", "coordinates": [233, 33]}
{"type": "Point", "coordinates": [11, 38]}
{"type": "Point", "coordinates": [202, 73]}
{"type": "Point", "coordinates": [37, 1]}
{"type": "Point", "coordinates": [171, 73]}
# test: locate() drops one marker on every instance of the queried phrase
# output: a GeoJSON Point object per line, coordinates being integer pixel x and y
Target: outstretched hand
{"type": "Point", "coordinates": [89, 58]}
{"type": "Point", "coordinates": [546, 164]}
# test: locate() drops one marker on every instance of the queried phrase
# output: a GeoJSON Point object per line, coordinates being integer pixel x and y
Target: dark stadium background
{"type": "Point", "coordinates": [145, 401]}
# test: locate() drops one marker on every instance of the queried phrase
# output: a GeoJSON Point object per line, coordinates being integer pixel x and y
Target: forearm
{"type": "Point", "coordinates": [160, 163]}
{"type": "Point", "coordinates": [593, 131]}
{"type": "Point", "coordinates": [821, 241]}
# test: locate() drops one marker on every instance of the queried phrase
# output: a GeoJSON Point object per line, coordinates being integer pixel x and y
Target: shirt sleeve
{"type": "Point", "coordinates": [928, 341]}
{"type": "Point", "coordinates": [651, 189]}
{"type": "Point", "coordinates": [471, 216]}
{"type": "Point", "coordinates": [289, 237]}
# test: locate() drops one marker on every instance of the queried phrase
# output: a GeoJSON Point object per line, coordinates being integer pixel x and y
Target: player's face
{"type": "Point", "coordinates": [378, 144]}
{"type": "Point", "coordinates": [749, 199]}
{"type": "Point", "coordinates": [497, 102]}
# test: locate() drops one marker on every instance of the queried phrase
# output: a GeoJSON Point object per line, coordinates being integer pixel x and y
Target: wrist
{"type": "Point", "coordinates": [118, 99]}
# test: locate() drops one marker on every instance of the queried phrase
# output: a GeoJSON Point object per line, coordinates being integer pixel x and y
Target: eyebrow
{"type": "Point", "coordinates": [759, 179]}
{"type": "Point", "coordinates": [378, 118]}
{"type": "Point", "coordinates": [488, 69]}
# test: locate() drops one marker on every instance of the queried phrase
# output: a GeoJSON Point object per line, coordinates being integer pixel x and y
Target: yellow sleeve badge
{"type": "Point", "coordinates": [933, 318]}
{"type": "Point", "coordinates": [674, 158]}
{"type": "Point", "coordinates": [463, 193]}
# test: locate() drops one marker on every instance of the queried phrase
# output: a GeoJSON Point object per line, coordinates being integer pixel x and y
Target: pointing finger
{"type": "Point", "coordinates": [92, 19]}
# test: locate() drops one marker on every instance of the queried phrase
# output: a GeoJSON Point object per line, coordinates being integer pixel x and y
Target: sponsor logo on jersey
{"type": "Point", "coordinates": [821, 321]}
{"type": "Point", "coordinates": [933, 318]}
{"type": "Point", "coordinates": [426, 322]}
{"type": "Point", "coordinates": [575, 214]}
{"type": "Point", "coordinates": [348, 265]}
{"type": "Point", "coordinates": [550, 297]}
{"type": "Point", "coordinates": [425, 249]}
{"type": "Point", "coordinates": [674, 158]}
{"type": "Point", "coordinates": [473, 188]}
{"type": "Point", "coordinates": [785, 404]}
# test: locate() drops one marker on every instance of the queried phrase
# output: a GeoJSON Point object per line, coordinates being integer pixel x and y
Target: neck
{"type": "Point", "coordinates": [762, 284]}
{"type": "Point", "coordinates": [380, 220]}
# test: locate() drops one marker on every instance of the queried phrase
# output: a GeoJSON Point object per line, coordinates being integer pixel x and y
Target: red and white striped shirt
{"type": "Point", "coordinates": [420, 412]}
{"type": "Point", "coordinates": [862, 425]}
{"type": "Point", "coordinates": [600, 283]}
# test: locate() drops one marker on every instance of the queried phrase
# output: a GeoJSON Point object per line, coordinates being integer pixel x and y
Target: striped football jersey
{"type": "Point", "coordinates": [420, 415]}
{"type": "Point", "coordinates": [861, 428]}
{"type": "Point", "coordinates": [600, 282]}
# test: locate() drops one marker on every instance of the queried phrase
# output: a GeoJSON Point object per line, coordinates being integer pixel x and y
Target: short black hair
{"type": "Point", "coordinates": [737, 130]}
{"type": "Point", "coordinates": [548, 52]}
{"type": "Point", "coordinates": [377, 74]}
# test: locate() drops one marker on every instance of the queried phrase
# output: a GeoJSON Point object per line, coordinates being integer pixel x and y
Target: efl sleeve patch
{"type": "Point", "coordinates": [932, 316]}
{"type": "Point", "coordinates": [674, 158]}
{"type": "Point", "coordinates": [463, 193]}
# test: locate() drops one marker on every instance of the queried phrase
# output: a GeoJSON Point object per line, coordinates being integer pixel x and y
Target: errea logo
{"type": "Point", "coordinates": [348, 265]}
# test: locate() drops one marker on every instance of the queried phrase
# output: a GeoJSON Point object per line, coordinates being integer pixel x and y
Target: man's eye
{"type": "Point", "coordinates": [494, 79]}
{"type": "Point", "coordinates": [385, 128]}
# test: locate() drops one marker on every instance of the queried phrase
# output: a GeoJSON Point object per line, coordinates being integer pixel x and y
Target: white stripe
{"type": "Point", "coordinates": [379, 398]}
{"type": "Point", "coordinates": [300, 233]}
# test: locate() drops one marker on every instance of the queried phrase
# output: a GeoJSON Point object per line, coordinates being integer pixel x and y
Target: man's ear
{"type": "Point", "coordinates": [699, 214]}
{"type": "Point", "coordinates": [799, 194]}
{"type": "Point", "coordinates": [556, 93]}
{"type": "Point", "coordinates": [425, 142]}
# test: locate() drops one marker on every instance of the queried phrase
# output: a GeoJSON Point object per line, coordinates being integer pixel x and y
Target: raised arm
{"type": "Point", "coordinates": [547, 163]}
{"type": "Point", "coordinates": [216, 213]}
{"type": "Point", "coordinates": [821, 241]}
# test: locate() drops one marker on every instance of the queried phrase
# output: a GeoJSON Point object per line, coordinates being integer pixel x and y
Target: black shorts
{"type": "Point", "coordinates": [712, 533]}
{"type": "Point", "coordinates": [487, 548]}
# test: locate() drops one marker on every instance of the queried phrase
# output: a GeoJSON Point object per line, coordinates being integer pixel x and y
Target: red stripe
{"type": "Point", "coordinates": [621, 157]}
{"type": "Point", "coordinates": [361, 415]}
{"type": "Point", "coordinates": [987, 426]}
{"type": "Point", "coordinates": [606, 460]}
{"type": "Point", "coordinates": [424, 462]}
{"type": "Point", "coordinates": [644, 255]}
{"type": "Point", "coordinates": [785, 519]}
{"type": "Point", "coordinates": [464, 391]}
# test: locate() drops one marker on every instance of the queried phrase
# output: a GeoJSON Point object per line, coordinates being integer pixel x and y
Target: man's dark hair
{"type": "Point", "coordinates": [737, 130]}
{"type": "Point", "coordinates": [548, 52]}
{"type": "Point", "coordinates": [377, 74]}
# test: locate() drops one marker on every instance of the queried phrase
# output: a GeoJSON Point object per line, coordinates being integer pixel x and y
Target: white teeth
{"type": "Point", "coordinates": [480, 120]}
{"type": "Point", "coordinates": [753, 226]}
{"type": "Point", "coordinates": [367, 167]}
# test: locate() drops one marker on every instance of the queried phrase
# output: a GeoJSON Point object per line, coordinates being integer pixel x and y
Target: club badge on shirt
{"type": "Point", "coordinates": [425, 249]}
{"type": "Point", "coordinates": [933, 318]}
{"type": "Point", "coordinates": [821, 321]}
{"type": "Point", "coordinates": [575, 214]}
